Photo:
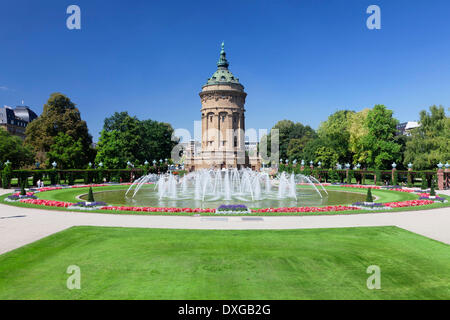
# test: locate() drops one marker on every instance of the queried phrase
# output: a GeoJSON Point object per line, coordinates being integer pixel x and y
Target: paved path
{"type": "Point", "coordinates": [21, 226]}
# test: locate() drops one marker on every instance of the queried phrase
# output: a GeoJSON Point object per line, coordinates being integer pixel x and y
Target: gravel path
{"type": "Point", "coordinates": [21, 226]}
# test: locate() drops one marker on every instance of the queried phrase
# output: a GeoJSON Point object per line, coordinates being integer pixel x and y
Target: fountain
{"type": "Point", "coordinates": [232, 186]}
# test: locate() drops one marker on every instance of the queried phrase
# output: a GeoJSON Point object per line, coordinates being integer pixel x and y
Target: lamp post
{"type": "Point", "coordinates": [319, 164]}
{"type": "Point", "coordinates": [54, 164]}
{"type": "Point", "coordinates": [311, 164]}
{"type": "Point", "coordinates": [146, 163]}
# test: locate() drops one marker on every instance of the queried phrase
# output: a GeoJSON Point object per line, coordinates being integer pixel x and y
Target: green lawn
{"type": "Point", "coordinates": [124, 263]}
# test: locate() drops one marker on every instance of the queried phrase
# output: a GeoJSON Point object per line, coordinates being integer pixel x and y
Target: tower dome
{"type": "Point", "coordinates": [222, 74]}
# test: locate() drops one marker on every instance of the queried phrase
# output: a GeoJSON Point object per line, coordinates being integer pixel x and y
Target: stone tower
{"type": "Point", "coordinates": [223, 121]}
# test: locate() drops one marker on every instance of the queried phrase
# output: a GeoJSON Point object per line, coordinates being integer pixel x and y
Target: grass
{"type": "Point", "coordinates": [124, 263]}
{"type": "Point", "coordinates": [70, 195]}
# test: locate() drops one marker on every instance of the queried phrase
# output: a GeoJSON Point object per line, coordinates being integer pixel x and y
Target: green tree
{"type": "Point", "coordinates": [369, 197]}
{"type": "Point", "coordinates": [293, 137]}
{"type": "Point", "coordinates": [91, 195]}
{"type": "Point", "coordinates": [125, 138]}
{"type": "Point", "coordinates": [66, 152]}
{"type": "Point", "coordinates": [429, 144]}
{"type": "Point", "coordinates": [379, 143]}
{"type": "Point", "coordinates": [357, 130]}
{"type": "Point", "coordinates": [335, 133]}
{"type": "Point", "coordinates": [59, 116]}
{"type": "Point", "coordinates": [13, 149]}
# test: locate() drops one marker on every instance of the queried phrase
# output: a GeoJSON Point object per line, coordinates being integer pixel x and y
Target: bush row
{"type": "Point", "coordinates": [69, 177]}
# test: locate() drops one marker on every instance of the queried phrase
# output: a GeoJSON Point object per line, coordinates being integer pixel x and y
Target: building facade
{"type": "Point", "coordinates": [15, 120]}
{"type": "Point", "coordinates": [223, 123]}
{"type": "Point", "coordinates": [405, 128]}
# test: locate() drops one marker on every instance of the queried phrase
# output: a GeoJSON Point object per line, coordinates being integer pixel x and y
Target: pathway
{"type": "Point", "coordinates": [21, 226]}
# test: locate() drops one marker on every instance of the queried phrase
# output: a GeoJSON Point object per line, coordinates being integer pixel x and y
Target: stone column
{"type": "Point", "coordinates": [440, 176]}
{"type": "Point", "coordinates": [446, 175]}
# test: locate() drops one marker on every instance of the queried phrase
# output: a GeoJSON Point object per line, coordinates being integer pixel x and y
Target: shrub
{"type": "Point", "coordinates": [424, 185]}
{"type": "Point", "coordinates": [410, 183]}
{"type": "Point", "coordinates": [350, 176]}
{"type": "Point", "coordinates": [432, 191]}
{"type": "Point", "coordinates": [369, 197]}
{"type": "Point", "coordinates": [378, 177]}
{"type": "Point", "coordinates": [53, 177]}
{"type": "Point", "coordinates": [22, 189]}
{"type": "Point", "coordinates": [333, 176]}
{"type": "Point", "coordinates": [71, 178]}
{"type": "Point", "coordinates": [6, 176]}
{"type": "Point", "coordinates": [91, 195]}
{"type": "Point", "coordinates": [306, 171]}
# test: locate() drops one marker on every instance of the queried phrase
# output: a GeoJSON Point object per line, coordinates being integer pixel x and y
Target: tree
{"type": "Point", "coordinates": [91, 195]}
{"type": "Point", "coordinates": [357, 130]}
{"type": "Point", "coordinates": [335, 133]}
{"type": "Point", "coordinates": [59, 116]}
{"type": "Point", "coordinates": [66, 152]}
{"type": "Point", "coordinates": [429, 144]}
{"type": "Point", "coordinates": [125, 138]}
{"type": "Point", "coordinates": [369, 197]}
{"type": "Point", "coordinates": [379, 142]}
{"type": "Point", "coordinates": [13, 149]}
{"type": "Point", "coordinates": [293, 137]}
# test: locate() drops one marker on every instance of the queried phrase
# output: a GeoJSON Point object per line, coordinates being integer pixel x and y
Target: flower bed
{"type": "Point", "coordinates": [409, 203]}
{"type": "Point", "coordinates": [370, 206]}
{"type": "Point", "coordinates": [88, 205]}
{"type": "Point", "coordinates": [47, 203]}
{"type": "Point", "coordinates": [232, 209]}
{"type": "Point", "coordinates": [158, 209]}
{"type": "Point", "coordinates": [306, 209]}
{"type": "Point", "coordinates": [236, 209]}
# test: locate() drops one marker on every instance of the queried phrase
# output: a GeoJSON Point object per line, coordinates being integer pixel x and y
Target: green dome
{"type": "Point", "coordinates": [222, 74]}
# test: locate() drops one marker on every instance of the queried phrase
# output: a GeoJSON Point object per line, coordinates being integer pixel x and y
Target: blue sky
{"type": "Point", "coordinates": [300, 60]}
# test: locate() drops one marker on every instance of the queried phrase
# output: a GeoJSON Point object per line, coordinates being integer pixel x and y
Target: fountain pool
{"type": "Point", "coordinates": [212, 188]}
